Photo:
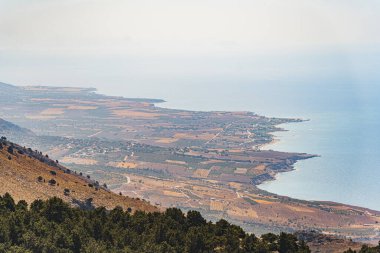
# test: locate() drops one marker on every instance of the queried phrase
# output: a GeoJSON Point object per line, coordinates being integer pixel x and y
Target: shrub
{"type": "Point", "coordinates": [66, 192]}
{"type": "Point", "coordinates": [10, 149]}
{"type": "Point", "coordinates": [52, 182]}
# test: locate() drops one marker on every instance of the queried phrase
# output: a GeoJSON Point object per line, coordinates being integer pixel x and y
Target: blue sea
{"type": "Point", "coordinates": [343, 127]}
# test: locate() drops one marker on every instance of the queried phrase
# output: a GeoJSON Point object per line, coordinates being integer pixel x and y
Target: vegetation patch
{"type": "Point", "coordinates": [54, 226]}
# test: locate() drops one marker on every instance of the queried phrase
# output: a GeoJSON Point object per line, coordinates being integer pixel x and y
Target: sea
{"type": "Point", "coordinates": [342, 126]}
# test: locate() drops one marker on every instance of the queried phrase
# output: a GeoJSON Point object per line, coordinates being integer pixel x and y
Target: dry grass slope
{"type": "Point", "coordinates": [19, 175]}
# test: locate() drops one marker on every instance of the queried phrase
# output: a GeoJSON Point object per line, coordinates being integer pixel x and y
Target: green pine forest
{"type": "Point", "coordinates": [53, 226]}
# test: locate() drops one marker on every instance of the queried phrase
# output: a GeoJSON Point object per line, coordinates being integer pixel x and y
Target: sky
{"type": "Point", "coordinates": [144, 43]}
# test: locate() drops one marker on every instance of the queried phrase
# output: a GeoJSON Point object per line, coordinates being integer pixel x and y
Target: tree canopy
{"type": "Point", "coordinates": [53, 226]}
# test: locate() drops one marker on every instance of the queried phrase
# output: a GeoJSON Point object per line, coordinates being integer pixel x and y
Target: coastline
{"type": "Point", "coordinates": [163, 104]}
{"type": "Point", "coordinates": [273, 175]}
{"type": "Point", "coordinates": [321, 117]}
{"type": "Point", "coordinates": [266, 146]}
{"type": "Point", "coordinates": [214, 181]}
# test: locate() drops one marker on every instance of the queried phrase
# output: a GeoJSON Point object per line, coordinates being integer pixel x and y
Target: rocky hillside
{"type": "Point", "coordinates": [29, 175]}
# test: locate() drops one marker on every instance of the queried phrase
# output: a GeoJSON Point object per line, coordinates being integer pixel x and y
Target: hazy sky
{"type": "Point", "coordinates": [186, 27]}
{"type": "Point", "coordinates": [142, 42]}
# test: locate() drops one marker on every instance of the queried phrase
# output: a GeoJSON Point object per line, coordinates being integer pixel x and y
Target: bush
{"type": "Point", "coordinates": [66, 192]}
{"type": "Point", "coordinates": [52, 182]}
{"type": "Point", "coordinates": [10, 149]}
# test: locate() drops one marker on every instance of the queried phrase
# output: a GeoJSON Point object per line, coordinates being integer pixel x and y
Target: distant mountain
{"type": "Point", "coordinates": [29, 175]}
{"type": "Point", "coordinates": [4, 87]}
{"type": "Point", "coordinates": [9, 129]}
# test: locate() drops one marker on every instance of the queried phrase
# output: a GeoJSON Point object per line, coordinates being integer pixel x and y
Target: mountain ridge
{"type": "Point", "coordinates": [8, 128]}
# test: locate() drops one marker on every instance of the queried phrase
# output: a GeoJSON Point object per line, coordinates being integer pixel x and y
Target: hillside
{"type": "Point", "coordinates": [7, 88]}
{"type": "Point", "coordinates": [7, 128]}
{"type": "Point", "coordinates": [28, 175]}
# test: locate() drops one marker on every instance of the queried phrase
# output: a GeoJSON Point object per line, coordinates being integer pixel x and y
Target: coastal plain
{"type": "Point", "coordinates": [206, 161]}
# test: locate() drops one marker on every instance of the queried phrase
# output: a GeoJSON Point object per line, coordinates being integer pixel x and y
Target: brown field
{"type": "Point", "coordinates": [212, 181]}
{"type": "Point", "coordinates": [57, 152]}
{"type": "Point", "coordinates": [235, 150]}
{"type": "Point", "coordinates": [300, 209]}
{"type": "Point", "coordinates": [201, 173]}
{"type": "Point", "coordinates": [176, 162]}
{"type": "Point", "coordinates": [125, 165]}
{"type": "Point", "coordinates": [81, 107]}
{"type": "Point", "coordinates": [202, 136]}
{"type": "Point", "coordinates": [210, 161]}
{"type": "Point", "coordinates": [174, 194]}
{"type": "Point", "coordinates": [240, 212]}
{"type": "Point", "coordinates": [135, 114]}
{"type": "Point", "coordinates": [260, 167]}
{"type": "Point", "coordinates": [42, 99]}
{"type": "Point", "coordinates": [216, 206]}
{"type": "Point", "coordinates": [79, 161]}
{"type": "Point", "coordinates": [264, 202]}
{"type": "Point", "coordinates": [240, 171]}
{"type": "Point", "coordinates": [166, 140]}
{"type": "Point", "coordinates": [237, 186]}
{"type": "Point", "coordinates": [53, 111]}
{"type": "Point", "coordinates": [39, 117]}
